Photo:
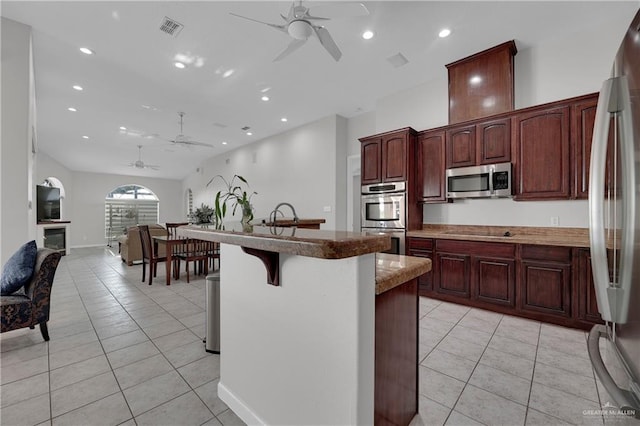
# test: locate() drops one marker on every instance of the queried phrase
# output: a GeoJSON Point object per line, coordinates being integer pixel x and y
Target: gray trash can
{"type": "Point", "coordinates": [212, 326]}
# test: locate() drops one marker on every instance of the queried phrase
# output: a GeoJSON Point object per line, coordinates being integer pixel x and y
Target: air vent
{"type": "Point", "coordinates": [398, 60]}
{"type": "Point", "coordinates": [171, 27]}
{"type": "Point", "coordinates": [245, 128]}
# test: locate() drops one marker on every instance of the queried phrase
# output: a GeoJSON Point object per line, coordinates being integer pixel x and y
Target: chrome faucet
{"type": "Point", "coordinates": [274, 213]}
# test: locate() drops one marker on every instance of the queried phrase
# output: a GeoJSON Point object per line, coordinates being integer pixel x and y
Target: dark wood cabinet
{"type": "Point", "coordinates": [385, 157]}
{"type": "Point", "coordinates": [394, 158]}
{"type": "Point", "coordinates": [430, 155]}
{"type": "Point", "coordinates": [545, 280]}
{"type": "Point", "coordinates": [461, 146]}
{"type": "Point", "coordinates": [542, 144]}
{"type": "Point", "coordinates": [494, 280]}
{"type": "Point", "coordinates": [371, 160]}
{"type": "Point", "coordinates": [422, 247]}
{"type": "Point", "coordinates": [453, 274]}
{"type": "Point", "coordinates": [586, 300]}
{"type": "Point", "coordinates": [494, 141]}
{"type": "Point", "coordinates": [484, 142]}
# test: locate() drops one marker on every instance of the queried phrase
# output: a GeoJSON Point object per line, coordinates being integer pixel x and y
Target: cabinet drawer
{"type": "Point", "coordinates": [477, 248]}
{"type": "Point", "coordinates": [548, 253]}
{"type": "Point", "coordinates": [420, 243]}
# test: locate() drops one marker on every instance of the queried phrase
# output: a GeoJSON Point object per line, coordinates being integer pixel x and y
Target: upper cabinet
{"type": "Point", "coordinates": [484, 142]}
{"type": "Point", "coordinates": [430, 153]}
{"type": "Point", "coordinates": [482, 84]}
{"type": "Point", "coordinates": [542, 144]}
{"type": "Point", "coordinates": [384, 157]}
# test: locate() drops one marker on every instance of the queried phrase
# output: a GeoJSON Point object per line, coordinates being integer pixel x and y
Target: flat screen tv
{"type": "Point", "coordinates": [48, 203]}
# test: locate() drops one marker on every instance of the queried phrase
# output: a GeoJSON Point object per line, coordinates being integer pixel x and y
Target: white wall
{"type": "Point", "coordinates": [85, 193]}
{"type": "Point", "coordinates": [558, 69]}
{"type": "Point", "coordinates": [305, 166]}
{"type": "Point", "coordinates": [17, 223]}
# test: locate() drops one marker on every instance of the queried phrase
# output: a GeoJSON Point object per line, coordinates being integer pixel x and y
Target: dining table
{"type": "Point", "coordinates": [170, 242]}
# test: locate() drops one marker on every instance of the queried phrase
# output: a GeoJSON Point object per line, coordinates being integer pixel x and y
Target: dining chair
{"type": "Point", "coordinates": [196, 251]}
{"type": "Point", "coordinates": [148, 253]}
{"type": "Point", "coordinates": [173, 226]}
{"type": "Point", "coordinates": [213, 253]}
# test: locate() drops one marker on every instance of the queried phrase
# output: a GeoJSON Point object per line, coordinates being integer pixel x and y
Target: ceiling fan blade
{"type": "Point", "coordinates": [294, 45]}
{"type": "Point", "coordinates": [327, 41]}
{"type": "Point", "coordinates": [276, 26]}
{"type": "Point", "coordinates": [339, 10]}
{"type": "Point", "coordinates": [151, 166]}
{"type": "Point", "coordinates": [191, 143]}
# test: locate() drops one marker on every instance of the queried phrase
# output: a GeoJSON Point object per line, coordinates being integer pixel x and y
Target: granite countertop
{"type": "Point", "coordinates": [393, 270]}
{"type": "Point", "coordinates": [288, 221]}
{"type": "Point", "coordinates": [567, 237]}
{"type": "Point", "coordinates": [322, 244]}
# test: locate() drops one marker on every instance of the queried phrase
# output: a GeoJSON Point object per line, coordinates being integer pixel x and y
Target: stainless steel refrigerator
{"type": "Point", "coordinates": [614, 214]}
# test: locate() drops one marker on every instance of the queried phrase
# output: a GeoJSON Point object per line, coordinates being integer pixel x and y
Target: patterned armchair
{"type": "Point", "coordinates": [32, 307]}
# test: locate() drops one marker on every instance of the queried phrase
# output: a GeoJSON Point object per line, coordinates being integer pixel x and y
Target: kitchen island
{"type": "Point", "coordinates": [299, 322]}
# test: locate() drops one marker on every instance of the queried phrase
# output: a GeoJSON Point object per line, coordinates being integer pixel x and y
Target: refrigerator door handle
{"type": "Point", "coordinates": [613, 300]}
{"type": "Point", "coordinates": [623, 398]}
{"type": "Point", "coordinates": [597, 239]}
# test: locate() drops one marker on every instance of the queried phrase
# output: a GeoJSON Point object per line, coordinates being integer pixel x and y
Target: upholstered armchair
{"type": "Point", "coordinates": [32, 307]}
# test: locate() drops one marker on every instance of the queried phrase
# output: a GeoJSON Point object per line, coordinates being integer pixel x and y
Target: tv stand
{"type": "Point", "coordinates": [54, 235]}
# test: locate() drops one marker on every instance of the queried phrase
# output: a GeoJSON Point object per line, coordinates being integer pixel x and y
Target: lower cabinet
{"type": "Point", "coordinates": [544, 283]}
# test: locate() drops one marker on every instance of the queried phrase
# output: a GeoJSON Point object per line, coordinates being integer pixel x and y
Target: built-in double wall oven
{"type": "Point", "coordinates": [384, 210]}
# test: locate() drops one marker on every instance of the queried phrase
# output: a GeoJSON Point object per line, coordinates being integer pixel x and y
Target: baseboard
{"type": "Point", "coordinates": [238, 406]}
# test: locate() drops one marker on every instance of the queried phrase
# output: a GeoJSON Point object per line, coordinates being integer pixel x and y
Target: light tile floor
{"type": "Point", "coordinates": [123, 352]}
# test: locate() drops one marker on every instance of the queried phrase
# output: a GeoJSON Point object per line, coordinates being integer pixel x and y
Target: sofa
{"type": "Point", "coordinates": [131, 248]}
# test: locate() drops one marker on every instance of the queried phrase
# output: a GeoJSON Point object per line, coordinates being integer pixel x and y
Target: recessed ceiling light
{"type": "Point", "coordinates": [78, 88]}
{"type": "Point", "coordinates": [224, 143]}
{"type": "Point", "coordinates": [228, 73]}
{"type": "Point", "coordinates": [85, 137]}
{"type": "Point", "coordinates": [72, 109]}
{"type": "Point", "coordinates": [123, 128]}
{"type": "Point", "coordinates": [249, 134]}
{"type": "Point", "coordinates": [367, 35]}
{"type": "Point", "coordinates": [445, 32]}
{"type": "Point", "coordinates": [283, 119]}
{"type": "Point", "coordinates": [86, 51]}
{"type": "Point", "coordinates": [179, 65]}
{"type": "Point", "coordinates": [265, 98]}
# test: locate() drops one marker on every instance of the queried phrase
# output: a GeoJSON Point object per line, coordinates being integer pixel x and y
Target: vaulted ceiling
{"type": "Point", "coordinates": [131, 81]}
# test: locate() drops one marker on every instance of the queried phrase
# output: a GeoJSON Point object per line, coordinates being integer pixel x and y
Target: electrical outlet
{"type": "Point", "coordinates": [555, 221]}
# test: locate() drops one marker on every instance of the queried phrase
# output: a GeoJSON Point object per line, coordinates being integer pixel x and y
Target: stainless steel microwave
{"type": "Point", "coordinates": [489, 180]}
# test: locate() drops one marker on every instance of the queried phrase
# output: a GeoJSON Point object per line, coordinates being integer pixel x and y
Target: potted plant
{"type": "Point", "coordinates": [203, 214]}
{"type": "Point", "coordinates": [238, 196]}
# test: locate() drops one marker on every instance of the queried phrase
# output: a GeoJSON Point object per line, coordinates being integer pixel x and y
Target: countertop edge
{"type": "Point", "coordinates": [319, 247]}
{"type": "Point", "coordinates": [393, 270]}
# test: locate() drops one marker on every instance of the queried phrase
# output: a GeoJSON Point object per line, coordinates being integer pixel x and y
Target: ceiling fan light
{"type": "Point", "coordinates": [300, 30]}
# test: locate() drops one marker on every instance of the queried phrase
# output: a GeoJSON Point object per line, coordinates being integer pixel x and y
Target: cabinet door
{"type": "Point", "coordinates": [371, 161]}
{"type": "Point", "coordinates": [394, 158]}
{"type": "Point", "coordinates": [461, 146]}
{"type": "Point", "coordinates": [422, 247]}
{"type": "Point", "coordinates": [546, 287]}
{"type": "Point", "coordinates": [494, 280]}
{"type": "Point", "coordinates": [431, 166]}
{"type": "Point", "coordinates": [587, 304]}
{"type": "Point", "coordinates": [453, 274]}
{"type": "Point", "coordinates": [542, 164]}
{"type": "Point", "coordinates": [494, 141]}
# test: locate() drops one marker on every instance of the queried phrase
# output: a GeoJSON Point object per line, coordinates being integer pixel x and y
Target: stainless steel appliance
{"type": "Point", "coordinates": [488, 180]}
{"type": "Point", "coordinates": [384, 210]}
{"type": "Point", "coordinates": [615, 230]}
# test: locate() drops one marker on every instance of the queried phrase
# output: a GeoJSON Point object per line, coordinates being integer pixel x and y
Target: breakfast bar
{"type": "Point", "coordinates": [310, 321]}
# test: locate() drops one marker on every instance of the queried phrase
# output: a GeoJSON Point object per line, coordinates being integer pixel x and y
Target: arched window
{"type": "Point", "coordinates": [129, 205]}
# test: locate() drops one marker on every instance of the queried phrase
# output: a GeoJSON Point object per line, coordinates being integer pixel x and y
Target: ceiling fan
{"type": "Point", "coordinates": [183, 140]}
{"type": "Point", "coordinates": [299, 25]}
{"type": "Point", "coordinates": [140, 164]}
